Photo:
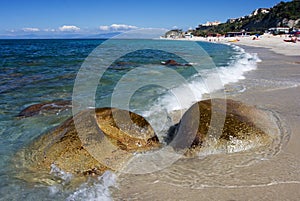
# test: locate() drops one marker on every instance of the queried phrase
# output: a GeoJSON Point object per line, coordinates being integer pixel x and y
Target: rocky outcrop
{"type": "Point", "coordinates": [90, 143]}
{"type": "Point", "coordinates": [224, 125]}
{"type": "Point", "coordinates": [94, 141]}
{"type": "Point", "coordinates": [175, 33]}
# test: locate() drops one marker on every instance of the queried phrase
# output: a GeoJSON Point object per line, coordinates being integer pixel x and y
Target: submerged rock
{"type": "Point", "coordinates": [90, 143]}
{"type": "Point", "coordinates": [220, 125]}
{"type": "Point", "coordinates": [46, 108]}
{"type": "Point", "coordinates": [173, 63]}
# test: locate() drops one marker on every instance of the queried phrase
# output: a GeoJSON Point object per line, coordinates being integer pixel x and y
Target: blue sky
{"type": "Point", "coordinates": [19, 17]}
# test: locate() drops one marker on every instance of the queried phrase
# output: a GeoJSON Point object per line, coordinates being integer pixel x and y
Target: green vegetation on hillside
{"type": "Point", "coordinates": [284, 14]}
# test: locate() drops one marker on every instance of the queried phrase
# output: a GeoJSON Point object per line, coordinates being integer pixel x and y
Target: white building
{"type": "Point", "coordinates": [279, 30]}
{"type": "Point", "coordinates": [208, 24]}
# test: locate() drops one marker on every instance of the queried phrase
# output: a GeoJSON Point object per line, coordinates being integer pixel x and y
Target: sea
{"type": "Point", "coordinates": [132, 74]}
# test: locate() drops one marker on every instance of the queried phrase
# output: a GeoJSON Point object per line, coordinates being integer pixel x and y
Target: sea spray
{"type": "Point", "coordinates": [95, 190]}
{"type": "Point", "coordinates": [56, 171]}
{"type": "Point", "coordinates": [167, 104]}
{"type": "Point", "coordinates": [65, 178]}
{"type": "Point", "coordinates": [92, 190]}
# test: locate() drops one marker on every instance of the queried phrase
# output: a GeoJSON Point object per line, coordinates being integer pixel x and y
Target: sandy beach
{"type": "Point", "coordinates": [275, 86]}
{"type": "Point", "coordinates": [274, 43]}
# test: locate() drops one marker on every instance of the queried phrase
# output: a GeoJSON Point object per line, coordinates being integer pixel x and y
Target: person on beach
{"type": "Point", "coordinates": [293, 39]}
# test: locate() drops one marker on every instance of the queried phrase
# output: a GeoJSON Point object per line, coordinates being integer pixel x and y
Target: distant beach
{"type": "Point", "coordinates": [269, 41]}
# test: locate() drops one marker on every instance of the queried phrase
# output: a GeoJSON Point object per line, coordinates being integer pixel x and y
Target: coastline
{"type": "Point", "coordinates": [275, 86]}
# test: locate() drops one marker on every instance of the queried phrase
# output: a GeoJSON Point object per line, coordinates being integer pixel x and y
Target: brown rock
{"type": "Point", "coordinates": [220, 123]}
{"type": "Point", "coordinates": [129, 128]}
{"type": "Point", "coordinates": [42, 108]}
{"type": "Point", "coordinates": [172, 62]}
{"type": "Point", "coordinates": [107, 138]}
{"type": "Point", "coordinates": [90, 143]}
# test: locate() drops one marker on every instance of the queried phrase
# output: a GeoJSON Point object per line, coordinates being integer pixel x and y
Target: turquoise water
{"type": "Point", "coordinates": [35, 71]}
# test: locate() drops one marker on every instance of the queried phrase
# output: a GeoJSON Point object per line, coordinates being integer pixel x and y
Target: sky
{"type": "Point", "coordinates": [59, 17]}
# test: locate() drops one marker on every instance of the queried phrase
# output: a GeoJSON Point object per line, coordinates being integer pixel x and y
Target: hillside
{"type": "Point", "coordinates": [284, 14]}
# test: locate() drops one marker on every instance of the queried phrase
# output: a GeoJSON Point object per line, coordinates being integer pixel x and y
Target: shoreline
{"type": "Point", "coordinates": [275, 86]}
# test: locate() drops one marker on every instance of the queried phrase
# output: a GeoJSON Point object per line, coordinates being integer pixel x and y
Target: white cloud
{"type": "Point", "coordinates": [29, 29]}
{"type": "Point", "coordinates": [122, 27]}
{"type": "Point", "coordinates": [104, 28]}
{"type": "Point", "coordinates": [117, 27]}
{"type": "Point", "coordinates": [69, 28]}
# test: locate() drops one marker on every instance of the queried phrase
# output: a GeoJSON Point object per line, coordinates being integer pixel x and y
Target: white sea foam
{"type": "Point", "coordinates": [97, 191]}
{"type": "Point", "coordinates": [197, 84]}
{"type": "Point", "coordinates": [56, 171]}
{"type": "Point", "coordinates": [65, 177]}
{"type": "Point", "coordinates": [93, 190]}
{"type": "Point", "coordinates": [243, 62]}
{"type": "Point", "coordinates": [183, 96]}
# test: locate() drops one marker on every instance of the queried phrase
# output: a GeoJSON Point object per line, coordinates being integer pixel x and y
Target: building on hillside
{"type": "Point", "coordinates": [231, 20]}
{"type": "Point", "coordinates": [207, 24]}
{"type": "Point", "coordinates": [254, 13]}
{"type": "Point", "coordinates": [189, 34]}
{"type": "Point", "coordinates": [210, 24]}
{"type": "Point", "coordinates": [237, 34]}
{"type": "Point", "coordinates": [279, 30]}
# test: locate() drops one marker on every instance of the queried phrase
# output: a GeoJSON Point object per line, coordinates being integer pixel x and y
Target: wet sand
{"type": "Point", "coordinates": [275, 86]}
